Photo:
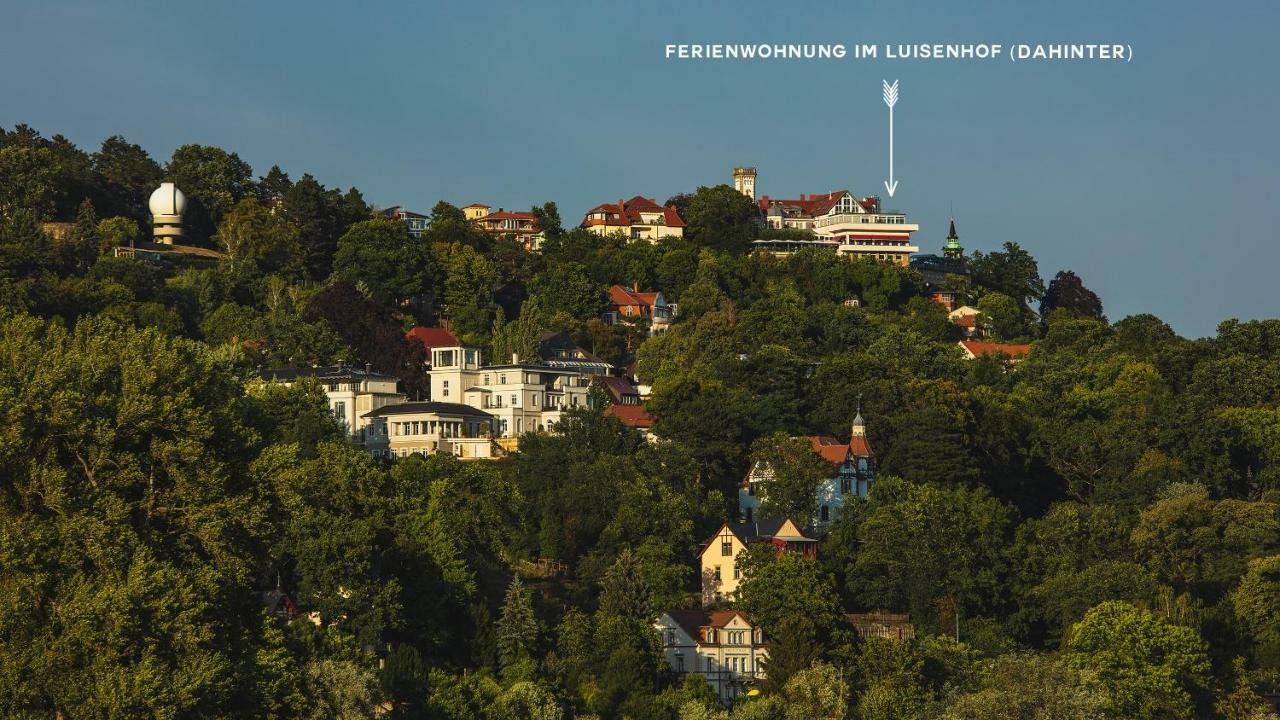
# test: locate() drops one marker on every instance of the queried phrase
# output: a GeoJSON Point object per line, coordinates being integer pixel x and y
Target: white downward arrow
{"type": "Point", "coordinates": [890, 99]}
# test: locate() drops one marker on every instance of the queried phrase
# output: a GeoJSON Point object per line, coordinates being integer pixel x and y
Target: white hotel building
{"type": "Point", "coordinates": [837, 221]}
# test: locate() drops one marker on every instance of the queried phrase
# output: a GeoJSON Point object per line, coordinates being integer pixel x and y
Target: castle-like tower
{"type": "Point", "coordinates": [744, 181]}
{"type": "Point", "coordinates": [167, 205]}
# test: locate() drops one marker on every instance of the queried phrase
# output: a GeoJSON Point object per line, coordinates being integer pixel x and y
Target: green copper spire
{"type": "Point", "coordinates": [952, 249]}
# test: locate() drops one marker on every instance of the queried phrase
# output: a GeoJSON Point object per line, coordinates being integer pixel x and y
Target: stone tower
{"type": "Point", "coordinates": [744, 181]}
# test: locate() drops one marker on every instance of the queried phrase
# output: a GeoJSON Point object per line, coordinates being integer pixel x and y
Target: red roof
{"type": "Point", "coordinates": [509, 215]}
{"type": "Point", "coordinates": [431, 337]}
{"type": "Point", "coordinates": [627, 212]}
{"type": "Point", "coordinates": [835, 452]}
{"type": "Point", "coordinates": [633, 416]}
{"type": "Point", "coordinates": [978, 348]}
{"type": "Point", "coordinates": [966, 321]}
{"type": "Point", "coordinates": [720, 618]}
{"type": "Point", "coordinates": [815, 205]}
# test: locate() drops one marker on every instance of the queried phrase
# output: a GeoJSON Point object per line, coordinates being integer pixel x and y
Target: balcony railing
{"type": "Point", "coordinates": [860, 219]}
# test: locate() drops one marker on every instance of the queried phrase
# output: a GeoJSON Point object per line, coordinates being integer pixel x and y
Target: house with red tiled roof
{"type": "Point", "coordinates": [522, 226]}
{"type": "Point", "coordinates": [852, 465]}
{"type": "Point", "coordinates": [431, 337]}
{"type": "Point", "coordinates": [645, 309]}
{"type": "Point", "coordinates": [975, 348]}
{"type": "Point", "coordinates": [722, 646]}
{"type": "Point", "coordinates": [639, 218]}
{"type": "Point", "coordinates": [967, 318]}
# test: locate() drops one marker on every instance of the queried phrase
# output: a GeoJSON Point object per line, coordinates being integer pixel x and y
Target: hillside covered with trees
{"type": "Point", "coordinates": [1092, 532]}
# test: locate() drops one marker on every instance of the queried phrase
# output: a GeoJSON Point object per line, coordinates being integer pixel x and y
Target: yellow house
{"type": "Point", "coordinates": [639, 218]}
{"type": "Point", "coordinates": [475, 211]}
{"type": "Point", "coordinates": [719, 557]}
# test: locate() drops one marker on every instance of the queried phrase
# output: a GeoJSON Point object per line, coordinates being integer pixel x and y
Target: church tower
{"type": "Point", "coordinates": [744, 181]}
{"type": "Point", "coordinates": [953, 249]}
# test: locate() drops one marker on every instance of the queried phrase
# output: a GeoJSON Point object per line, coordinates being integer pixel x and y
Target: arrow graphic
{"type": "Point", "coordinates": [890, 99]}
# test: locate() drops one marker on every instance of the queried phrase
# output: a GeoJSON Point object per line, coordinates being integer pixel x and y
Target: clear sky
{"type": "Point", "coordinates": [1157, 181]}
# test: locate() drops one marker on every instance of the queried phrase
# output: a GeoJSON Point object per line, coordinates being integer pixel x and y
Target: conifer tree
{"type": "Point", "coordinates": [517, 632]}
{"type": "Point", "coordinates": [623, 590]}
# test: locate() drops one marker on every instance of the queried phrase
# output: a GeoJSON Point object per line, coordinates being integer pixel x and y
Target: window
{"type": "Point", "coordinates": [748, 514]}
{"type": "Point", "coordinates": [445, 388]}
{"type": "Point", "coordinates": [340, 411]}
{"type": "Point", "coordinates": [679, 662]}
{"type": "Point", "coordinates": [826, 513]}
{"type": "Point", "coordinates": [515, 400]}
{"type": "Point", "coordinates": [726, 547]}
{"type": "Point", "coordinates": [717, 572]}
{"type": "Point", "coordinates": [737, 572]}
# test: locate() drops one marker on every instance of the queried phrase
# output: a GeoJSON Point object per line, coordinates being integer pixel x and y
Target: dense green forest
{"type": "Point", "coordinates": [1093, 532]}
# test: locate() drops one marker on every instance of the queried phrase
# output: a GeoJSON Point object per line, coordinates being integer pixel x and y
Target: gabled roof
{"type": "Point", "coordinates": [438, 408]}
{"type": "Point", "coordinates": [978, 348]}
{"type": "Point", "coordinates": [816, 205]}
{"type": "Point", "coordinates": [693, 621]}
{"type": "Point", "coordinates": [627, 212]}
{"type": "Point", "coordinates": [432, 337]}
{"type": "Point", "coordinates": [621, 295]}
{"type": "Point", "coordinates": [758, 529]}
{"type": "Point", "coordinates": [617, 387]}
{"type": "Point", "coordinates": [476, 205]}
{"type": "Point", "coordinates": [633, 416]}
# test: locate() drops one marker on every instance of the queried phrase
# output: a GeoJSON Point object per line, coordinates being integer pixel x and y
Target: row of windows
{"type": "Point", "coordinates": [732, 637]}
{"type": "Point", "coordinates": [433, 427]}
{"type": "Point", "coordinates": [856, 241]}
{"type": "Point", "coordinates": [737, 571]}
{"type": "Point", "coordinates": [395, 453]}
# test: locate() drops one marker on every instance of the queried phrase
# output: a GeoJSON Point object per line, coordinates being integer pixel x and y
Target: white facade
{"type": "Point", "coordinates": [841, 222]}
{"type": "Point", "coordinates": [520, 397]}
{"type": "Point", "coordinates": [853, 472]}
{"type": "Point", "coordinates": [425, 428]}
{"type": "Point", "coordinates": [351, 392]}
{"type": "Point", "coordinates": [721, 646]}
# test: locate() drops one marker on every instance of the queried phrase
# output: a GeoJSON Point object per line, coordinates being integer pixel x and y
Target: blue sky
{"type": "Point", "coordinates": [1156, 181]}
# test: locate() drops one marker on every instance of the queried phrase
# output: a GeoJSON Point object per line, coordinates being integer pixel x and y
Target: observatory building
{"type": "Point", "coordinates": [167, 205]}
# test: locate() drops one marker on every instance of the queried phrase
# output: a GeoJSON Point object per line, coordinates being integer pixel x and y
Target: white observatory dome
{"type": "Point", "coordinates": [167, 200]}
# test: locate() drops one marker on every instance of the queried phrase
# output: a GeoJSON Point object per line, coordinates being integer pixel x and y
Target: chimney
{"type": "Point", "coordinates": [622, 205]}
{"type": "Point", "coordinates": [368, 368]}
{"type": "Point", "coordinates": [801, 197]}
{"type": "Point", "coordinates": [515, 358]}
{"type": "Point", "coordinates": [635, 287]}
